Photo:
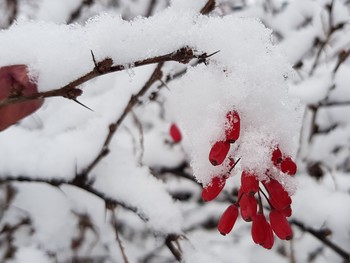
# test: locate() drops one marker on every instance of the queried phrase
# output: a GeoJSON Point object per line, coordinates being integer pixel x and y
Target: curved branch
{"type": "Point", "coordinates": [78, 184]}
{"type": "Point", "coordinates": [322, 237]}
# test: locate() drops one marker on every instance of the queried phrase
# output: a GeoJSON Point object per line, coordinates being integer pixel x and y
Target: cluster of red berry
{"type": "Point", "coordinates": [249, 201]}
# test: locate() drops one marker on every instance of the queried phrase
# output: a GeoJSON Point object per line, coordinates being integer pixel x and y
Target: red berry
{"type": "Point", "coordinates": [249, 183]}
{"type": "Point", "coordinates": [279, 198]}
{"type": "Point", "coordinates": [175, 133]}
{"type": "Point", "coordinates": [232, 126]}
{"type": "Point", "coordinates": [276, 157]}
{"type": "Point", "coordinates": [218, 152]}
{"type": "Point", "coordinates": [280, 225]}
{"type": "Point", "coordinates": [14, 81]}
{"type": "Point", "coordinates": [228, 220]}
{"type": "Point", "coordinates": [288, 166]}
{"type": "Point", "coordinates": [248, 205]}
{"type": "Point", "coordinates": [259, 229]}
{"type": "Point", "coordinates": [213, 189]}
{"type": "Point", "coordinates": [268, 243]}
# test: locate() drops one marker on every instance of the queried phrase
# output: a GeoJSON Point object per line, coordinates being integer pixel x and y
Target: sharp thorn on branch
{"type": "Point", "coordinates": [212, 54]}
{"type": "Point", "coordinates": [164, 84]}
{"type": "Point", "coordinates": [75, 100]}
{"type": "Point", "coordinates": [95, 62]}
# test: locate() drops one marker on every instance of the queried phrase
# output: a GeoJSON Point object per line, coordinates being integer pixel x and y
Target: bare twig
{"type": "Point", "coordinates": [320, 235]}
{"type": "Point", "coordinates": [12, 7]}
{"type": "Point", "coordinates": [175, 251]}
{"type": "Point", "coordinates": [115, 226]}
{"type": "Point", "coordinates": [150, 9]}
{"type": "Point", "coordinates": [209, 6]}
{"type": "Point", "coordinates": [113, 127]}
{"type": "Point", "coordinates": [77, 183]}
{"type": "Point", "coordinates": [76, 14]}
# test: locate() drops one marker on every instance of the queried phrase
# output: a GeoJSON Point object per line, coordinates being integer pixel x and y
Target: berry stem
{"type": "Point", "coordinates": [266, 197]}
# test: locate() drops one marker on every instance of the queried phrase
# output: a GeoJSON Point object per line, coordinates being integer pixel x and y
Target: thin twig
{"type": "Point", "coordinates": [115, 226]}
{"type": "Point", "coordinates": [175, 251]}
{"type": "Point", "coordinates": [12, 7]}
{"type": "Point", "coordinates": [209, 6]}
{"type": "Point", "coordinates": [79, 184]}
{"type": "Point", "coordinates": [113, 127]}
{"type": "Point", "coordinates": [150, 9]}
{"type": "Point", "coordinates": [322, 237]}
{"type": "Point", "coordinates": [76, 14]}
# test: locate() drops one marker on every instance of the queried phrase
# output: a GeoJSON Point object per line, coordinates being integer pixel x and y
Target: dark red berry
{"type": "Point", "coordinates": [228, 220]}
{"type": "Point", "coordinates": [232, 126]}
{"type": "Point", "coordinates": [278, 197]}
{"type": "Point", "coordinates": [288, 166]}
{"type": "Point", "coordinates": [259, 229]}
{"type": "Point", "coordinates": [175, 133]}
{"type": "Point", "coordinates": [280, 225]}
{"type": "Point", "coordinates": [248, 206]}
{"type": "Point", "coordinates": [249, 183]}
{"type": "Point", "coordinates": [218, 152]}
{"type": "Point", "coordinates": [213, 189]}
{"type": "Point", "coordinates": [14, 81]}
{"type": "Point", "coordinates": [276, 157]}
{"type": "Point", "coordinates": [268, 243]}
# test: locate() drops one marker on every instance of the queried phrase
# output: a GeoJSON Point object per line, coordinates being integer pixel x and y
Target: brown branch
{"type": "Point", "coordinates": [321, 236]}
{"type": "Point", "coordinates": [150, 9]}
{"type": "Point", "coordinates": [209, 6]}
{"type": "Point", "coordinates": [113, 127]}
{"type": "Point", "coordinates": [175, 251]}
{"type": "Point", "coordinates": [12, 6]}
{"type": "Point", "coordinates": [70, 91]}
{"type": "Point", "coordinates": [115, 226]}
{"type": "Point", "coordinates": [76, 14]}
{"type": "Point", "coordinates": [342, 57]}
{"type": "Point", "coordinates": [79, 184]}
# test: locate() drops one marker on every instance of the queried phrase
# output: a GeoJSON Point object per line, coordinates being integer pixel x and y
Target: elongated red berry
{"type": "Point", "coordinates": [228, 220]}
{"type": "Point", "coordinates": [279, 198]}
{"type": "Point", "coordinates": [288, 166]}
{"type": "Point", "coordinates": [249, 183]}
{"type": "Point", "coordinates": [213, 189]}
{"type": "Point", "coordinates": [232, 126]}
{"type": "Point", "coordinates": [280, 225]}
{"type": "Point", "coordinates": [218, 152]}
{"type": "Point", "coordinates": [259, 229]}
{"type": "Point", "coordinates": [14, 81]}
{"type": "Point", "coordinates": [175, 133]}
{"type": "Point", "coordinates": [248, 206]}
{"type": "Point", "coordinates": [268, 243]}
{"type": "Point", "coordinates": [276, 157]}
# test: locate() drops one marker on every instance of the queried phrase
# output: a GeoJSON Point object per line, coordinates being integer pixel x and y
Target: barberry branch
{"type": "Point", "coordinates": [76, 14]}
{"type": "Point", "coordinates": [113, 127]}
{"type": "Point", "coordinates": [77, 183]}
{"type": "Point", "coordinates": [116, 230]}
{"type": "Point", "coordinates": [70, 91]}
{"type": "Point", "coordinates": [322, 236]}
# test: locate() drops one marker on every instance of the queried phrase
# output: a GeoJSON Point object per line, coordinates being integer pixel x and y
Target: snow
{"type": "Point", "coordinates": [251, 74]}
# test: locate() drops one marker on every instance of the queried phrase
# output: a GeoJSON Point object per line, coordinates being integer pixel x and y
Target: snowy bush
{"type": "Point", "coordinates": [121, 120]}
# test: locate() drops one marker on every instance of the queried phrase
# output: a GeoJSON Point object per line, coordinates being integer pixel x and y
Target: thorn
{"type": "Point", "coordinates": [75, 100]}
{"type": "Point", "coordinates": [95, 62]}
{"type": "Point", "coordinates": [164, 84]}
{"type": "Point", "coordinates": [212, 54]}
